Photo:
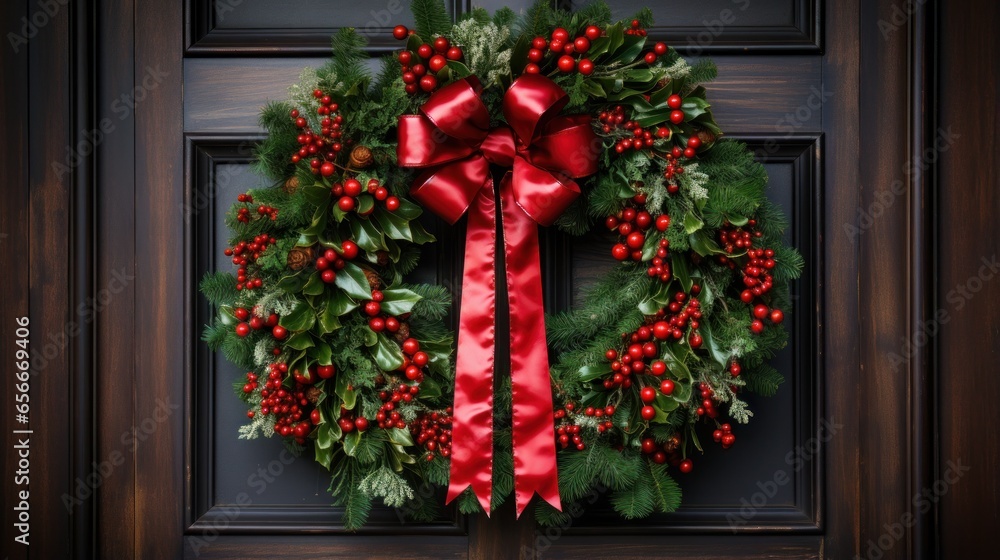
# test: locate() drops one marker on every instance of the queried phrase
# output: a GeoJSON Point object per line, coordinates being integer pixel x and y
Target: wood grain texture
{"type": "Point", "coordinates": [115, 261]}
{"type": "Point", "coordinates": [269, 547]}
{"type": "Point", "coordinates": [218, 97]}
{"type": "Point", "coordinates": [694, 548]}
{"type": "Point", "coordinates": [161, 311]}
{"type": "Point", "coordinates": [50, 258]}
{"type": "Point", "coordinates": [15, 244]}
{"type": "Point", "coordinates": [968, 205]}
{"type": "Point", "coordinates": [883, 271]}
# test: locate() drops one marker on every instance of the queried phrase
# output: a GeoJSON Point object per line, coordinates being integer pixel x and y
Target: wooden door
{"type": "Point", "coordinates": [833, 96]}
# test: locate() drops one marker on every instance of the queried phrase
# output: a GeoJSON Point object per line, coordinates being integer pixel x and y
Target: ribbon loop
{"type": "Point", "coordinates": [451, 140]}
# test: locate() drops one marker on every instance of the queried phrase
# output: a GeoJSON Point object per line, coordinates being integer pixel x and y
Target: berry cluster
{"type": "Point", "coordinates": [667, 452]}
{"type": "Point", "coordinates": [433, 432]}
{"type": "Point", "coordinates": [347, 421]}
{"type": "Point", "coordinates": [251, 321]}
{"type": "Point", "coordinates": [636, 138]}
{"type": "Point", "coordinates": [568, 433]}
{"type": "Point", "coordinates": [388, 417]}
{"type": "Point", "coordinates": [631, 224]}
{"type": "Point", "coordinates": [636, 29]}
{"type": "Point", "coordinates": [324, 147]}
{"type": "Point", "coordinates": [243, 213]}
{"type": "Point", "coordinates": [707, 407]}
{"type": "Point", "coordinates": [561, 46]}
{"type": "Point", "coordinates": [419, 74]}
{"type": "Point", "coordinates": [683, 312]}
{"type": "Point", "coordinates": [351, 189]}
{"type": "Point", "coordinates": [329, 262]}
{"type": "Point", "coordinates": [757, 278]}
{"type": "Point", "coordinates": [724, 435]}
{"type": "Point", "coordinates": [245, 254]}
{"type": "Point", "coordinates": [287, 405]}
{"type": "Point", "coordinates": [379, 322]}
{"type": "Point", "coordinates": [606, 412]}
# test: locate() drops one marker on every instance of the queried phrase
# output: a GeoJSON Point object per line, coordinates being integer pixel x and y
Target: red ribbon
{"type": "Point", "coordinates": [452, 139]}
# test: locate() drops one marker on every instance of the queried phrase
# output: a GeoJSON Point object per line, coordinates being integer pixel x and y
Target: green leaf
{"type": "Point", "coordinates": [631, 47]}
{"type": "Point", "coordinates": [319, 220]}
{"type": "Point", "coordinates": [329, 320]}
{"type": "Point", "coordinates": [339, 304]}
{"type": "Point", "coordinates": [704, 245]}
{"type": "Point", "coordinates": [367, 236]}
{"type": "Point", "coordinates": [388, 355]}
{"type": "Point", "coordinates": [322, 354]}
{"type": "Point", "coordinates": [408, 210]}
{"type": "Point", "coordinates": [366, 203]}
{"type": "Point", "coordinates": [293, 283]}
{"type": "Point", "coordinates": [317, 194]}
{"type": "Point", "coordinates": [301, 318]}
{"type": "Point", "coordinates": [590, 373]}
{"type": "Point", "coordinates": [353, 281]}
{"type": "Point", "coordinates": [679, 270]}
{"type": "Point", "coordinates": [300, 341]}
{"type": "Point", "coordinates": [315, 285]}
{"type": "Point", "coordinates": [718, 354]}
{"type": "Point", "coordinates": [398, 301]}
{"type": "Point", "coordinates": [692, 223]}
{"type": "Point", "coordinates": [351, 442]}
{"type": "Point", "coordinates": [342, 388]}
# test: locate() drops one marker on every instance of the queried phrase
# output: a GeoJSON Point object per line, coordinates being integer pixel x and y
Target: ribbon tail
{"type": "Point", "coordinates": [472, 426]}
{"type": "Point", "coordinates": [533, 435]}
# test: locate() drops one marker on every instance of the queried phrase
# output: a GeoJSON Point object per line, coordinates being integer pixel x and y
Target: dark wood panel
{"type": "Point", "coordinates": [269, 547]}
{"type": "Point", "coordinates": [114, 262]}
{"type": "Point", "coordinates": [161, 310]}
{"type": "Point", "coordinates": [968, 290]}
{"type": "Point", "coordinates": [218, 97]}
{"type": "Point", "coordinates": [289, 27]}
{"type": "Point", "coordinates": [551, 545]}
{"type": "Point", "coordinates": [15, 245]}
{"type": "Point", "coordinates": [838, 279]}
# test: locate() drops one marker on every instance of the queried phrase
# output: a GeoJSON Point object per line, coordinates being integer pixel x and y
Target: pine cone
{"type": "Point", "coordinates": [313, 393]}
{"type": "Point", "coordinates": [299, 257]}
{"type": "Point", "coordinates": [663, 82]}
{"type": "Point", "coordinates": [705, 136]}
{"type": "Point", "coordinates": [361, 157]}
{"type": "Point", "coordinates": [403, 333]}
{"type": "Point", "coordinates": [382, 257]}
{"type": "Point", "coordinates": [291, 185]}
{"type": "Point", "coordinates": [373, 280]}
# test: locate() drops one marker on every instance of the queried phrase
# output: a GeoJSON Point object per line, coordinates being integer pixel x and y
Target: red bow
{"type": "Point", "coordinates": [453, 139]}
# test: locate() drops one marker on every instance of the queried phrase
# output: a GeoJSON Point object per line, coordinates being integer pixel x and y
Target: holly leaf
{"type": "Point", "coordinates": [329, 319]}
{"type": "Point", "coordinates": [301, 318]}
{"type": "Point", "coordinates": [343, 389]}
{"type": "Point", "coordinates": [300, 341]}
{"type": "Point", "coordinates": [704, 245]}
{"type": "Point", "coordinates": [398, 301]}
{"type": "Point", "coordinates": [590, 373]}
{"type": "Point", "coordinates": [367, 236]}
{"type": "Point", "coordinates": [351, 442]}
{"type": "Point", "coordinates": [353, 281]}
{"type": "Point", "coordinates": [679, 268]}
{"type": "Point", "coordinates": [388, 355]}
{"type": "Point", "coordinates": [315, 285]}
{"type": "Point", "coordinates": [339, 304]}
{"type": "Point", "coordinates": [292, 283]}
{"type": "Point", "coordinates": [692, 223]}
{"type": "Point", "coordinates": [322, 354]}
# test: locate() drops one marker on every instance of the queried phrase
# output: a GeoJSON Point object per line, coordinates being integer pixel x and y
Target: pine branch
{"type": "Point", "coordinates": [431, 18]}
{"type": "Point", "coordinates": [665, 489]}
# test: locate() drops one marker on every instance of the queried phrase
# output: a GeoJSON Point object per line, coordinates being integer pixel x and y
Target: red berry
{"type": "Point", "coordinates": [677, 117]}
{"type": "Point", "coordinates": [694, 142]}
{"type": "Point", "coordinates": [425, 51]}
{"type": "Point", "coordinates": [746, 296]}
{"type": "Point", "coordinates": [326, 372]}
{"type": "Point", "coordinates": [400, 32]}
{"type": "Point", "coordinates": [346, 203]}
{"type": "Point", "coordinates": [410, 346]}
{"type": "Point", "coordinates": [659, 457]}
{"type": "Point", "coordinates": [328, 276]}
{"type": "Point", "coordinates": [535, 55]}
{"type": "Point", "coordinates": [648, 413]}
{"type": "Point", "coordinates": [350, 249]}
{"type": "Point", "coordinates": [757, 326]}
{"type": "Point", "coordinates": [581, 44]}
{"type": "Point", "coordinates": [539, 43]}
{"type": "Point", "coordinates": [661, 330]}
{"type": "Point", "coordinates": [241, 313]}
{"type": "Point", "coordinates": [650, 57]}
{"type": "Point", "coordinates": [560, 34]}
{"type": "Point", "coordinates": [242, 329]}
{"type": "Point", "coordinates": [532, 68]}
{"type": "Point", "coordinates": [620, 252]}
{"type": "Point", "coordinates": [279, 332]}
{"type": "Point", "coordinates": [611, 355]}
{"type": "Point", "coordinates": [648, 445]}
{"type": "Point", "coordinates": [392, 204]}
{"type": "Point", "coordinates": [586, 67]}
{"type": "Point", "coordinates": [428, 83]}
{"type": "Point", "coordinates": [373, 308]}
{"type": "Point", "coordinates": [454, 53]}
{"type": "Point", "coordinates": [674, 101]}
{"type": "Point", "coordinates": [695, 340]}
{"type": "Point", "coordinates": [420, 359]}
{"type": "Point", "coordinates": [326, 169]}
{"type": "Point", "coordinates": [441, 44]}
{"type": "Point", "coordinates": [647, 394]}
{"type": "Point", "coordinates": [662, 222]}
{"type": "Point", "coordinates": [667, 387]}
{"type": "Point", "coordinates": [660, 49]}
{"type": "Point", "coordinates": [437, 62]}
{"type": "Point", "coordinates": [593, 32]}
{"type": "Point", "coordinates": [658, 368]}
{"type": "Point", "coordinates": [760, 311]}
{"type": "Point", "coordinates": [352, 187]}
{"type": "Point", "coordinates": [566, 63]}
{"type": "Point", "coordinates": [686, 466]}
{"type": "Point", "coordinates": [777, 316]}
{"type": "Point", "coordinates": [635, 240]}
{"type": "Point", "coordinates": [405, 58]}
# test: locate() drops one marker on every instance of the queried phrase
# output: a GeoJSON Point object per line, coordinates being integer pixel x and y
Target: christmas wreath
{"type": "Point", "coordinates": [513, 116]}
